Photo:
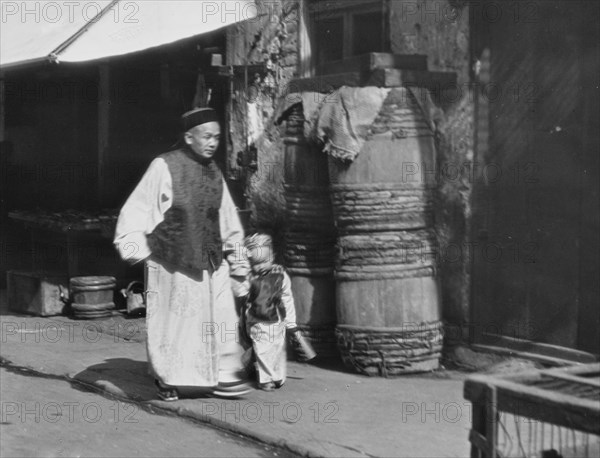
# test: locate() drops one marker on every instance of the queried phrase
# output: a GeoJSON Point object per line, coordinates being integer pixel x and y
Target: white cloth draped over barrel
{"type": "Point", "coordinates": [342, 120]}
{"type": "Point", "coordinates": [192, 323]}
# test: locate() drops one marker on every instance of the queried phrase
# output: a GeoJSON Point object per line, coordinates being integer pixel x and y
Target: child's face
{"type": "Point", "coordinates": [261, 267]}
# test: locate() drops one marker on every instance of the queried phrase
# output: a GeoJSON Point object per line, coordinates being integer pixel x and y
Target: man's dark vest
{"type": "Point", "coordinates": [190, 235]}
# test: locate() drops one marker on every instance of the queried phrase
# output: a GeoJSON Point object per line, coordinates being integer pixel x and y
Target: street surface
{"type": "Point", "coordinates": [45, 416]}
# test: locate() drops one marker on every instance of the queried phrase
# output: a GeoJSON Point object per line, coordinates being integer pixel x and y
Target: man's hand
{"type": "Point", "coordinates": [240, 286]}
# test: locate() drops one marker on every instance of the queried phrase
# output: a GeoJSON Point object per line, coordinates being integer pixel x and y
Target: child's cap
{"type": "Point", "coordinates": [259, 248]}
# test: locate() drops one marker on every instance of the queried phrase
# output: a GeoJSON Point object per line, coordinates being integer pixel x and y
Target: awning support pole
{"type": "Point", "coordinates": [54, 56]}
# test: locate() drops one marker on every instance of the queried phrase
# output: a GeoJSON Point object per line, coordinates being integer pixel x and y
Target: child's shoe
{"type": "Point", "coordinates": [269, 386]}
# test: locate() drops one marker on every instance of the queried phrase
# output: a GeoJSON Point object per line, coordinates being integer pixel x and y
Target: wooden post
{"type": "Point", "coordinates": [491, 421]}
{"type": "Point", "coordinates": [484, 430]}
{"type": "Point", "coordinates": [103, 127]}
{"type": "Point", "coordinates": [477, 429]}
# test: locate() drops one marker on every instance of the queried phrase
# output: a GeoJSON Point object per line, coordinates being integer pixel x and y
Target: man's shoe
{"type": "Point", "coordinates": [269, 386]}
{"type": "Point", "coordinates": [279, 383]}
{"type": "Point", "coordinates": [165, 393]}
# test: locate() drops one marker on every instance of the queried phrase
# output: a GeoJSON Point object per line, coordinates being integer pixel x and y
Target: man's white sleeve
{"type": "Point", "coordinates": [143, 211]}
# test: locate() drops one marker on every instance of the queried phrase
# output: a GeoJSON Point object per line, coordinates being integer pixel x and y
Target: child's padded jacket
{"type": "Point", "coordinates": [265, 296]}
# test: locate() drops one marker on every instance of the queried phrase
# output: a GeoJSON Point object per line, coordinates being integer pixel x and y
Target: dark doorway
{"type": "Point", "coordinates": [535, 202]}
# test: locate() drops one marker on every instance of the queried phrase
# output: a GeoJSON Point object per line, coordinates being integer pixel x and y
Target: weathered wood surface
{"type": "Point", "coordinates": [385, 263]}
{"type": "Point", "coordinates": [373, 61]}
{"type": "Point", "coordinates": [309, 236]}
{"type": "Point", "coordinates": [316, 306]}
{"type": "Point", "coordinates": [388, 303]}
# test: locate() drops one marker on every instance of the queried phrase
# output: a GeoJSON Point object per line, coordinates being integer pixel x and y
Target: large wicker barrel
{"type": "Point", "coordinates": [310, 237]}
{"type": "Point", "coordinates": [387, 293]}
{"type": "Point", "coordinates": [92, 296]}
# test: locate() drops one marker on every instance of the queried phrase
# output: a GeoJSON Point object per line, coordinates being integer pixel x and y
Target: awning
{"type": "Point", "coordinates": [33, 31]}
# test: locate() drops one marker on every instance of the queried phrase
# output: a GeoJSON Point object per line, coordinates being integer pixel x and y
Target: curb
{"type": "Point", "coordinates": [169, 409]}
{"type": "Point", "coordinates": [183, 412]}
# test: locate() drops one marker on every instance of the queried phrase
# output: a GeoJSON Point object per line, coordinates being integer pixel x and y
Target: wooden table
{"type": "Point", "coordinates": [567, 398]}
{"type": "Point", "coordinates": [70, 232]}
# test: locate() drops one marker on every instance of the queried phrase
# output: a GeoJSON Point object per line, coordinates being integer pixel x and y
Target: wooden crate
{"type": "Point", "coordinates": [36, 293]}
{"type": "Point", "coordinates": [547, 413]}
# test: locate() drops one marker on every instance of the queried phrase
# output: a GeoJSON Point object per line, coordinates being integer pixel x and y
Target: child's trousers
{"type": "Point", "coordinates": [268, 345]}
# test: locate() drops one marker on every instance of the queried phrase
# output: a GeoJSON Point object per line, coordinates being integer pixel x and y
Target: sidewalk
{"type": "Point", "coordinates": [320, 411]}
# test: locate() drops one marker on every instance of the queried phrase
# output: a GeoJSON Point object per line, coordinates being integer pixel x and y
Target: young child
{"type": "Point", "coordinates": [269, 314]}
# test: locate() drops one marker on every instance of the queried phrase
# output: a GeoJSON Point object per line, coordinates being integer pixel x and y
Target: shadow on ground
{"type": "Point", "coordinates": [122, 377]}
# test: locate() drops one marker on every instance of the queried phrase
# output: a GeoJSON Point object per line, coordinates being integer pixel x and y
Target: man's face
{"type": "Point", "coordinates": [204, 139]}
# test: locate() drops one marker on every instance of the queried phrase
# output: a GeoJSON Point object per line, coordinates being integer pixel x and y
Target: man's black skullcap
{"type": "Point", "coordinates": [198, 116]}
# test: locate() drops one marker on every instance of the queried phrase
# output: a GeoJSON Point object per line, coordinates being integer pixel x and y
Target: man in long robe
{"type": "Point", "coordinates": [181, 220]}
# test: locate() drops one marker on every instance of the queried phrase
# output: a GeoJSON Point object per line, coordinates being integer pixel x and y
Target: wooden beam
{"type": "Point", "coordinates": [382, 77]}
{"type": "Point", "coordinates": [373, 61]}
{"type": "Point", "coordinates": [586, 370]}
{"type": "Point", "coordinates": [325, 83]}
{"type": "Point", "coordinates": [572, 378]}
{"type": "Point", "coordinates": [394, 77]}
{"type": "Point", "coordinates": [529, 346]}
{"type": "Point", "coordinates": [239, 70]}
{"type": "Point", "coordinates": [532, 356]}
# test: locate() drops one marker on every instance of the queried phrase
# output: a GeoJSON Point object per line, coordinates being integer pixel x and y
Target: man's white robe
{"type": "Point", "coordinates": [192, 325]}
